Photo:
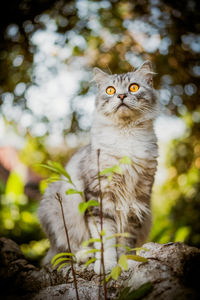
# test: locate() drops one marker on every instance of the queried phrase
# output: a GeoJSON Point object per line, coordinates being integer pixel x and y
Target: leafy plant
{"type": "Point", "coordinates": [123, 263]}
{"type": "Point", "coordinates": [116, 169]}
{"type": "Point", "coordinates": [138, 294]}
{"type": "Point", "coordinates": [62, 259]}
{"type": "Point", "coordinates": [57, 168]}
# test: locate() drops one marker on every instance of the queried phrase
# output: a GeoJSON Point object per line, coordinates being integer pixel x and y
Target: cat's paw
{"type": "Point", "coordinates": [82, 256]}
{"type": "Point", "coordinates": [109, 265]}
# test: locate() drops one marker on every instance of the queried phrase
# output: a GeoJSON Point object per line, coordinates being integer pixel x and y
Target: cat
{"type": "Point", "coordinates": [125, 108]}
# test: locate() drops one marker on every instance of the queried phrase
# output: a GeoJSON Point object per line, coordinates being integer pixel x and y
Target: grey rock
{"type": "Point", "coordinates": [173, 271]}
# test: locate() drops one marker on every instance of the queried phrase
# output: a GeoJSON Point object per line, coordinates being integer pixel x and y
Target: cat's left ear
{"type": "Point", "coordinates": [99, 75]}
{"type": "Point", "coordinates": [146, 72]}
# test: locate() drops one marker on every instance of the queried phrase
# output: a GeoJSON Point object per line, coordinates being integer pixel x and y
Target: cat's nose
{"type": "Point", "coordinates": [122, 96]}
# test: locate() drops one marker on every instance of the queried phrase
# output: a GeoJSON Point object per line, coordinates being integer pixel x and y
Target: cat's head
{"type": "Point", "coordinates": [126, 96]}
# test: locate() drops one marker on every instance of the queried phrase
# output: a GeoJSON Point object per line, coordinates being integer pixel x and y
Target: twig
{"type": "Point", "coordinates": [59, 198]}
{"type": "Point", "coordinates": [101, 225]}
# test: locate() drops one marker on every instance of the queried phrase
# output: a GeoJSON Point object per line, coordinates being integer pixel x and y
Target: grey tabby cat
{"type": "Point", "coordinates": [126, 106]}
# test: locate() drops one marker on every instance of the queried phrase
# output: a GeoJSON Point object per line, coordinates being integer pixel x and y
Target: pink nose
{"type": "Point", "coordinates": [122, 96]}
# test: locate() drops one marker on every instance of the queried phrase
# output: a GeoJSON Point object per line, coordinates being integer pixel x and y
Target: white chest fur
{"type": "Point", "coordinates": [137, 143]}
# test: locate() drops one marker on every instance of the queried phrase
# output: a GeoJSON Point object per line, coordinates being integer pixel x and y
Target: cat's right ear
{"type": "Point", "coordinates": [147, 72]}
{"type": "Point", "coordinates": [99, 75]}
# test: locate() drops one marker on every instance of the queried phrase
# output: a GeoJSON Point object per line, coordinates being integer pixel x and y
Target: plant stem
{"type": "Point", "coordinates": [59, 198]}
{"type": "Point", "coordinates": [101, 225]}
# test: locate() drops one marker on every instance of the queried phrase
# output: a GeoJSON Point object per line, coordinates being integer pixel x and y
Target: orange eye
{"type": "Point", "coordinates": [134, 87]}
{"type": "Point", "coordinates": [110, 90]}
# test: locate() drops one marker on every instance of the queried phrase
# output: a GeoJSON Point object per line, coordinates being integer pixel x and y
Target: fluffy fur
{"type": "Point", "coordinates": [118, 130]}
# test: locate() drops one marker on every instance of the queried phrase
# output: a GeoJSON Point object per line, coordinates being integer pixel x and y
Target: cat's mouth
{"type": "Point", "coordinates": [123, 105]}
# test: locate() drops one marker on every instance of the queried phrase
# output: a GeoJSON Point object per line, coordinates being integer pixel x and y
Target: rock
{"type": "Point", "coordinates": [173, 269]}
{"type": "Point", "coordinates": [171, 273]}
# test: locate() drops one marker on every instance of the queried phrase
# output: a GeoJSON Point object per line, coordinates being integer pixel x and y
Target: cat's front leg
{"type": "Point", "coordinates": [125, 244]}
{"type": "Point", "coordinates": [110, 253]}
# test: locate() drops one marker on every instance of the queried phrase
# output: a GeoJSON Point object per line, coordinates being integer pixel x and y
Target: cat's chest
{"type": "Point", "coordinates": [136, 145]}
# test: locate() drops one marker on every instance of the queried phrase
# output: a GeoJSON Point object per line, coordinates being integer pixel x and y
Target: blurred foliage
{"type": "Point", "coordinates": [179, 198]}
{"type": "Point", "coordinates": [116, 36]}
{"type": "Point", "coordinates": [18, 217]}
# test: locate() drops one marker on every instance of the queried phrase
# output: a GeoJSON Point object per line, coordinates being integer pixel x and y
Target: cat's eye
{"type": "Point", "coordinates": [134, 87]}
{"type": "Point", "coordinates": [110, 90]}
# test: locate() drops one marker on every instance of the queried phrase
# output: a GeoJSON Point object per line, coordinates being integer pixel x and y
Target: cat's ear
{"type": "Point", "coordinates": [99, 75]}
{"type": "Point", "coordinates": [146, 72]}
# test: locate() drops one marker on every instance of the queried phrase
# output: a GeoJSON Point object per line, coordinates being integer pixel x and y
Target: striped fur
{"type": "Point", "coordinates": [117, 132]}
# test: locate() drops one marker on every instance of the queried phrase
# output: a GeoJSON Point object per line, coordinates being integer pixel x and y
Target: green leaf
{"type": "Point", "coordinates": [140, 293]}
{"type": "Point", "coordinates": [73, 191]}
{"type": "Point", "coordinates": [115, 273]}
{"type": "Point", "coordinates": [90, 241]}
{"type": "Point", "coordinates": [124, 293]}
{"type": "Point", "coordinates": [53, 179]}
{"type": "Point", "coordinates": [59, 168]}
{"type": "Point", "coordinates": [59, 260]}
{"type": "Point", "coordinates": [106, 171]}
{"type": "Point", "coordinates": [102, 233]}
{"type": "Point", "coordinates": [60, 255]}
{"type": "Point", "coordinates": [123, 234]}
{"type": "Point", "coordinates": [83, 206]}
{"type": "Point", "coordinates": [47, 167]}
{"type": "Point", "coordinates": [61, 266]}
{"type": "Point", "coordinates": [56, 168]}
{"type": "Point", "coordinates": [139, 249]}
{"type": "Point", "coordinates": [108, 278]}
{"type": "Point", "coordinates": [93, 203]}
{"type": "Point", "coordinates": [90, 261]}
{"type": "Point", "coordinates": [126, 160]}
{"type": "Point", "coordinates": [93, 251]}
{"type": "Point", "coordinates": [137, 258]}
{"type": "Point", "coordinates": [123, 262]}
{"type": "Point", "coordinates": [117, 169]}
{"type": "Point", "coordinates": [120, 246]}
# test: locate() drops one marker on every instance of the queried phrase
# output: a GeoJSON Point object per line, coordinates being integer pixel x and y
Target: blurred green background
{"type": "Point", "coordinates": [47, 51]}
